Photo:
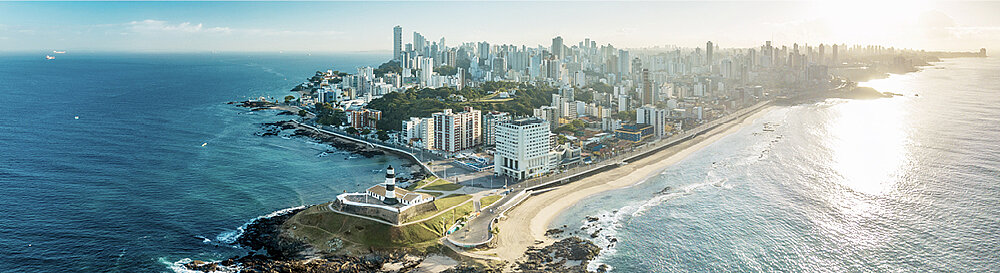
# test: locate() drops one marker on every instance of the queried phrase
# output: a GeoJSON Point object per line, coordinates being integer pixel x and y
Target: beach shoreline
{"type": "Point", "coordinates": [538, 212]}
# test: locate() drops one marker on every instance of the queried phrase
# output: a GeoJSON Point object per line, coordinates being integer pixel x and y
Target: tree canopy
{"type": "Point", "coordinates": [327, 115]}
{"type": "Point", "coordinates": [399, 106]}
{"type": "Point", "coordinates": [390, 66]}
{"type": "Point", "coordinates": [446, 70]}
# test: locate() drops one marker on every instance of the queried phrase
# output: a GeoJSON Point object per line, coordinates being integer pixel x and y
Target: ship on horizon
{"type": "Point", "coordinates": [59, 52]}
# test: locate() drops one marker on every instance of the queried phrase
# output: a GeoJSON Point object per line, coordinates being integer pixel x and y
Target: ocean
{"type": "Point", "coordinates": [103, 169]}
{"type": "Point", "coordinates": [902, 184]}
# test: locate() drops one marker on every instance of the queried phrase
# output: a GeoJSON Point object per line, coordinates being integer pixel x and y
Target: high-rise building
{"type": "Point", "coordinates": [557, 47]}
{"type": "Point", "coordinates": [419, 43]}
{"type": "Point", "coordinates": [550, 114]}
{"type": "Point", "coordinates": [365, 118]}
{"type": "Point", "coordinates": [647, 88]}
{"type": "Point", "coordinates": [419, 132]}
{"type": "Point", "coordinates": [624, 102]}
{"type": "Point", "coordinates": [522, 148]}
{"type": "Point", "coordinates": [636, 69]}
{"type": "Point", "coordinates": [833, 56]}
{"type": "Point", "coordinates": [426, 70]}
{"type": "Point", "coordinates": [397, 42]}
{"type": "Point", "coordinates": [451, 57]}
{"type": "Point", "coordinates": [490, 122]}
{"type": "Point", "coordinates": [821, 58]}
{"type": "Point", "coordinates": [649, 115]}
{"type": "Point", "coordinates": [624, 69]}
{"type": "Point", "coordinates": [708, 53]}
{"type": "Point", "coordinates": [484, 50]}
{"type": "Point", "coordinates": [454, 132]}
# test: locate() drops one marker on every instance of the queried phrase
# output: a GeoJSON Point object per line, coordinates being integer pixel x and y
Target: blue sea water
{"type": "Point", "coordinates": [128, 187]}
{"type": "Point", "coordinates": [903, 184]}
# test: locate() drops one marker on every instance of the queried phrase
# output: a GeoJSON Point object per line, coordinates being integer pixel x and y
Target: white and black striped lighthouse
{"type": "Point", "coordinates": [390, 187]}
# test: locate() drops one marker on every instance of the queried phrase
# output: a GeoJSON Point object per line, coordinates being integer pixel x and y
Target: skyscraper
{"type": "Point", "coordinates": [636, 69]}
{"type": "Point", "coordinates": [419, 43]}
{"type": "Point", "coordinates": [821, 59]}
{"type": "Point", "coordinates": [708, 53]}
{"type": "Point", "coordinates": [557, 46]}
{"type": "Point", "coordinates": [623, 66]}
{"type": "Point", "coordinates": [397, 42]}
{"type": "Point", "coordinates": [647, 88]}
{"type": "Point", "coordinates": [484, 50]}
{"type": "Point", "coordinates": [833, 56]}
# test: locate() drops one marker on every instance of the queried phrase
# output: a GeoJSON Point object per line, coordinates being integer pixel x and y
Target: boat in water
{"type": "Point", "coordinates": [47, 57]}
{"type": "Point", "coordinates": [58, 52]}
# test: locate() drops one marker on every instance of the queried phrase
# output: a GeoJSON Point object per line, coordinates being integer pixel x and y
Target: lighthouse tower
{"type": "Point", "coordinates": [390, 187]}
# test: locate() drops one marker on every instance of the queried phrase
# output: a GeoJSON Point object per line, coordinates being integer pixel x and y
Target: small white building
{"type": "Point", "coordinates": [390, 195]}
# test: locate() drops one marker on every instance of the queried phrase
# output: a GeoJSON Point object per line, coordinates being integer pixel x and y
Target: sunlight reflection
{"type": "Point", "coordinates": [868, 139]}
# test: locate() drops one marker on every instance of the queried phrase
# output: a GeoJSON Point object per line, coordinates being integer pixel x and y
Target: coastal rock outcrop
{"type": "Point", "coordinates": [273, 128]}
{"type": "Point", "coordinates": [567, 255]}
{"type": "Point", "coordinates": [265, 234]}
{"type": "Point", "coordinates": [286, 254]}
{"type": "Point", "coordinates": [472, 269]}
{"type": "Point", "coordinates": [375, 262]}
{"type": "Point", "coordinates": [253, 104]}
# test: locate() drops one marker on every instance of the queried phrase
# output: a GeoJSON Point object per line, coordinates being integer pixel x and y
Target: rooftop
{"type": "Point", "coordinates": [526, 121]}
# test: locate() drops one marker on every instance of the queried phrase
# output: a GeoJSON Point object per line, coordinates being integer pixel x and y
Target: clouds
{"type": "Point", "coordinates": [157, 26]}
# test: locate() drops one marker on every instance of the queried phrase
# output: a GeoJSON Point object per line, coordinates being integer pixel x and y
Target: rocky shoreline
{"type": "Point", "coordinates": [255, 105]}
{"type": "Point", "coordinates": [275, 128]}
{"type": "Point", "coordinates": [271, 251]}
{"type": "Point", "coordinates": [572, 254]}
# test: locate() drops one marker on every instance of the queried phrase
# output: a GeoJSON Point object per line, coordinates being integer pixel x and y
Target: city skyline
{"type": "Point", "coordinates": [365, 27]}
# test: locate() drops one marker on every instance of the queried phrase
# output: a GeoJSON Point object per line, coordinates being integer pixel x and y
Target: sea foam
{"type": "Point", "coordinates": [230, 237]}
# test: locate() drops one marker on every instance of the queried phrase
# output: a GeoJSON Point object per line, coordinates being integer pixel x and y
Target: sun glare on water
{"type": "Point", "coordinates": [869, 140]}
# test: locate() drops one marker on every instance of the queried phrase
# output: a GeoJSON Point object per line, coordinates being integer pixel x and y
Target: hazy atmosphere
{"type": "Point", "coordinates": [362, 26]}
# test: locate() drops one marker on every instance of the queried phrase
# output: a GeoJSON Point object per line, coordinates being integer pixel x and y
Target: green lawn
{"type": "Point", "coordinates": [432, 193]}
{"type": "Point", "coordinates": [443, 204]}
{"type": "Point", "coordinates": [318, 227]}
{"type": "Point", "coordinates": [442, 185]}
{"type": "Point", "coordinates": [489, 200]}
{"type": "Point", "coordinates": [438, 224]}
{"type": "Point", "coordinates": [421, 183]}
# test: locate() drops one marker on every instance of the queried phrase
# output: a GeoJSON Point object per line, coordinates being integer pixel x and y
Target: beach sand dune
{"type": "Point", "coordinates": [526, 224]}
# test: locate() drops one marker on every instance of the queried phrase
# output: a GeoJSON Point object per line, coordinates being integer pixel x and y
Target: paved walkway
{"type": "Point", "coordinates": [463, 252]}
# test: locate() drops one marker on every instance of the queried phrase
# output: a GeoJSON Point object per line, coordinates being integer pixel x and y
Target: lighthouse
{"type": "Point", "coordinates": [390, 187]}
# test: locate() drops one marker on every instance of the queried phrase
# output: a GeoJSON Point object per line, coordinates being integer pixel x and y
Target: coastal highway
{"type": "Point", "coordinates": [477, 231]}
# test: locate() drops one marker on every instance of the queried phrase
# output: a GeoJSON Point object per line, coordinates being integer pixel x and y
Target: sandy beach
{"type": "Point", "coordinates": [526, 224]}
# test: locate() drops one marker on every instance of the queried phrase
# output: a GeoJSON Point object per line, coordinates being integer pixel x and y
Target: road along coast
{"type": "Point", "coordinates": [525, 224]}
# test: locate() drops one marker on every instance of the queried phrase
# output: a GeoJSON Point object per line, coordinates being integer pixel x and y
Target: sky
{"type": "Point", "coordinates": [367, 26]}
